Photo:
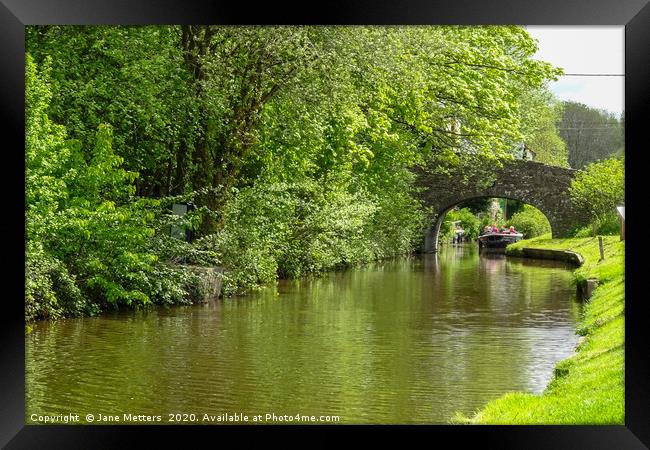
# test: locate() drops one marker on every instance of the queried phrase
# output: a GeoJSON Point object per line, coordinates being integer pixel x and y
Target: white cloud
{"type": "Point", "coordinates": [585, 49]}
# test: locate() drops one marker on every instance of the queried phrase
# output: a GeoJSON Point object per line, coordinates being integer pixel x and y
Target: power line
{"type": "Point", "coordinates": [600, 128]}
{"type": "Point", "coordinates": [580, 122]}
{"type": "Point", "coordinates": [593, 75]}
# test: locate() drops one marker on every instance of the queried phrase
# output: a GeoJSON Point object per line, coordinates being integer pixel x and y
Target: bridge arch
{"type": "Point", "coordinates": [432, 235]}
{"type": "Point", "coordinates": [542, 186]}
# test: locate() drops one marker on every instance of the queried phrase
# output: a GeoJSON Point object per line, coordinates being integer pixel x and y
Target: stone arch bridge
{"type": "Point", "coordinates": [545, 187]}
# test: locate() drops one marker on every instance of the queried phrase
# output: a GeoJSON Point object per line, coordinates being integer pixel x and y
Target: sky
{"type": "Point", "coordinates": [580, 50]}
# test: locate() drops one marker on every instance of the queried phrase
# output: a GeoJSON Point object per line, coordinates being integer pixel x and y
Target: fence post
{"type": "Point", "coordinates": [600, 246]}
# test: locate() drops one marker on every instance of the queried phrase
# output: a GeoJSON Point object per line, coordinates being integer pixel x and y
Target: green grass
{"type": "Point", "coordinates": [588, 387]}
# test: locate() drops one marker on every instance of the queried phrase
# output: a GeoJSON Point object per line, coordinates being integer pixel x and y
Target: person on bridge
{"type": "Point", "coordinates": [494, 228]}
{"type": "Point", "coordinates": [511, 230]}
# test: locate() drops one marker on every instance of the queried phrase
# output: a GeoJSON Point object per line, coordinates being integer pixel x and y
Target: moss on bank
{"type": "Point", "coordinates": [588, 387]}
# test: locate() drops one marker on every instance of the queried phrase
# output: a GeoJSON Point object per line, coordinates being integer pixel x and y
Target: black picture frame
{"type": "Point", "coordinates": [633, 14]}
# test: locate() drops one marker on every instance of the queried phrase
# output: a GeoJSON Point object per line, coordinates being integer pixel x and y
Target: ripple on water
{"type": "Point", "coordinates": [404, 341]}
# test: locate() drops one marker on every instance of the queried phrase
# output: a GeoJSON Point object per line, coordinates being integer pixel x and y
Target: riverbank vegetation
{"type": "Point", "coordinates": [587, 388]}
{"type": "Point", "coordinates": [598, 189]}
{"type": "Point", "coordinates": [294, 143]}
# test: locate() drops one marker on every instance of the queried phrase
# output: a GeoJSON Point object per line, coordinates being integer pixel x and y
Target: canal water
{"type": "Point", "coordinates": [409, 340]}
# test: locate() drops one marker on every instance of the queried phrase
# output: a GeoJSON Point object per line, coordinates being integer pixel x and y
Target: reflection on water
{"type": "Point", "coordinates": [401, 341]}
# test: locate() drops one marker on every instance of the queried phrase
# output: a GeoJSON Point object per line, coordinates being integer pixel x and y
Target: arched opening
{"type": "Point", "coordinates": [472, 214]}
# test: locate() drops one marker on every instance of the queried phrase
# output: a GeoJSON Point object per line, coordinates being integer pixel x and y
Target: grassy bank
{"type": "Point", "coordinates": [587, 388]}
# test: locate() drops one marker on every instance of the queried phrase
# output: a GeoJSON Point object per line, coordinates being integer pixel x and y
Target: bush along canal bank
{"type": "Point", "coordinates": [588, 387]}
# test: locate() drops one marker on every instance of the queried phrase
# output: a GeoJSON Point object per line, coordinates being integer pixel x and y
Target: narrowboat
{"type": "Point", "coordinates": [498, 239]}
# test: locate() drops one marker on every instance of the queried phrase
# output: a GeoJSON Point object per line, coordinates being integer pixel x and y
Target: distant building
{"type": "Point", "coordinates": [523, 152]}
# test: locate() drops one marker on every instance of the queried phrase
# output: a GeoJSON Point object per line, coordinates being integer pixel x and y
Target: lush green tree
{"type": "Point", "coordinates": [88, 239]}
{"type": "Point", "coordinates": [590, 134]}
{"type": "Point", "coordinates": [463, 218]}
{"type": "Point", "coordinates": [511, 207]}
{"type": "Point", "coordinates": [530, 221]}
{"type": "Point", "coordinates": [296, 143]}
{"type": "Point", "coordinates": [324, 97]}
{"type": "Point", "coordinates": [133, 79]}
{"type": "Point", "coordinates": [298, 228]}
{"type": "Point", "coordinates": [599, 188]}
{"type": "Point", "coordinates": [199, 104]}
{"type": "Point", "coordinates": [50, 289]}
{"type": "Point", "coordinates": [540, 112]}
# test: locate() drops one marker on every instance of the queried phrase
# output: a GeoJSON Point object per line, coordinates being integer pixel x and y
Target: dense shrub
{"type": "Point", "coordinates": [608, 226]}
{"type": "Point", "coordinates": [294, 229]}
{"type": "Point", "coordinates": [468, 222]}
{"type": "Point", "coordinates": [92, 244]}
{"type": "Point", "coordinates": [530, 221]}
{"type": "Point", "coordinates": [89, 240]}
{"type": "Point", "coordinates": [50, 291]}
{"type": "Point", "coordinates": [297, 144]}
{"type": "Point", "coordinates": [598, 189]}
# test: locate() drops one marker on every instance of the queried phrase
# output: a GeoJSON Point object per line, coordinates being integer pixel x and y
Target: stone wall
{"type": "Point", "coordinates": [542, 186]}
